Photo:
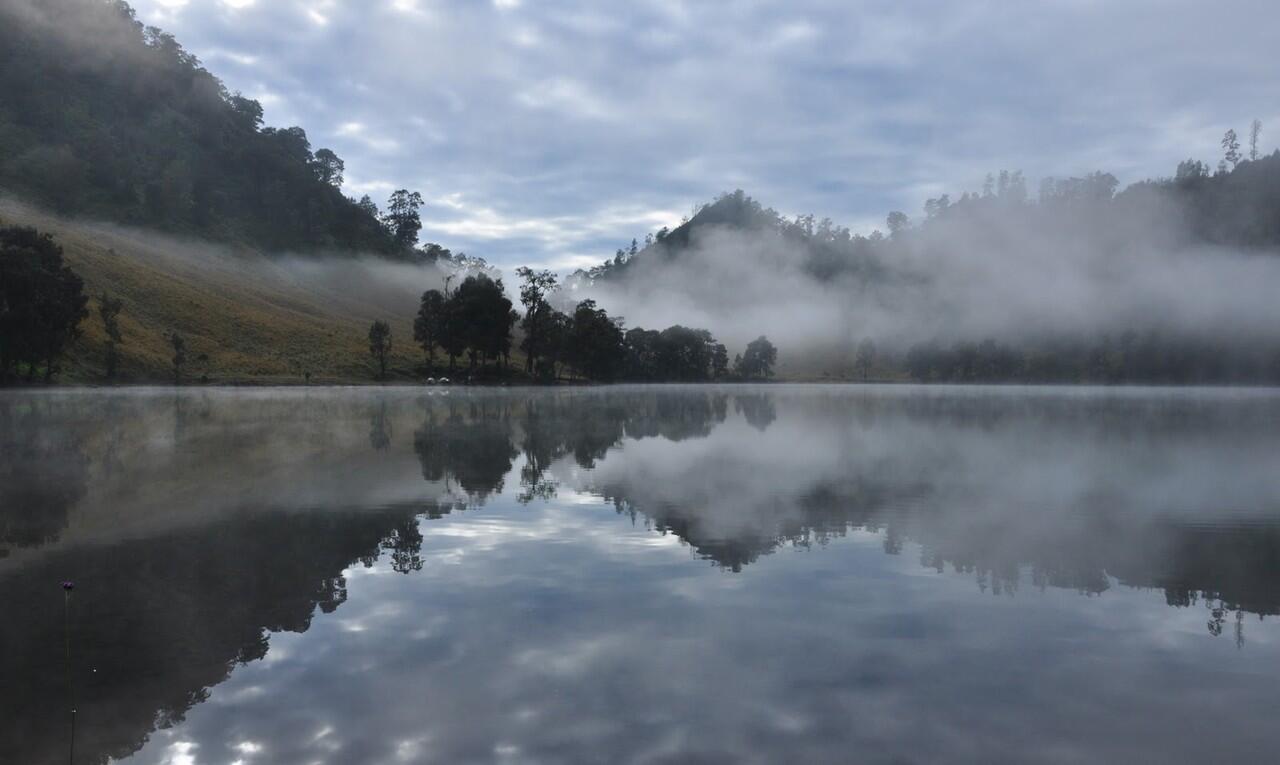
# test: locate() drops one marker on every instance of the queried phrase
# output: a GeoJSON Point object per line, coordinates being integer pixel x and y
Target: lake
{"type": "Point", "coordinates": [640, 575]}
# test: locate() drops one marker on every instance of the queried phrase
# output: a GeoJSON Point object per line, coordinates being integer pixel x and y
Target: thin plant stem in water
{"type": "Point", "coordinates": [67, 587]}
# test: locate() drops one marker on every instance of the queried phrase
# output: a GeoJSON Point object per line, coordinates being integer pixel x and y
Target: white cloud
{"type": "Point", "coordinates": [550, 115]}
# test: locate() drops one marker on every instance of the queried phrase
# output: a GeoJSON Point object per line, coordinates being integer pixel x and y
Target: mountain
{"type": "Point", "coordinates": [103, 117]}
{"type": "Point", "coordinates": [1237, 207]}
{"type": "Point", "coordinates": [1168, 280]}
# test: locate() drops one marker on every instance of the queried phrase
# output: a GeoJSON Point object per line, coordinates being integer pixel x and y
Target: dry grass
{"type": "Point", "coordinates": [246, 317]}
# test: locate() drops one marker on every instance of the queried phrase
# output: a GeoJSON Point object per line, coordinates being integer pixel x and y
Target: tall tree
{"type": "Point", "coordinates": [719, 361]}
{"type": "Point", "coordinates": [534, 291]}
{"type": "Point", "coordinates": [328, 167]}
{"type": "Point", "coordinates": [483, 317]}
{"type": "Point", "coordinates": [428, 323]}
{"type": "Point", "coordinates": [1231, 148]}
{"type": "Point", "coordinates": [369, 207]}
{"type": "Point", "coordinates": [402, 218]}
{"type": "Point", "coordinates": [109, 311]}
{"type": "Point", "coordinates": [897, 223]}
{"type": "Point", "coordinates": [866, 357]}
{"type": "Point", "coordinates": [179, 356]}
{"type": "Point", "coordinates": [1255, 130]}
{"type": "Point", "coordinates": [42, 302]}
{"type": "Point", "coordinates": [759, 358]}
{"type": "Point", "coordinates": [594, 345]}
{"type": "Point", "coordinates": [380, 345]}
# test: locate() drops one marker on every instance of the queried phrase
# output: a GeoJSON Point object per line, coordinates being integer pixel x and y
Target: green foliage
{"type": "Point", "coordinates": [380, 345]}
{"type": "Point", "coordinates": [42, 303]}
{"type": "Point", "coordinates": [537, 286]}
{"type": "Point", "coordinates": [482, 316]}
{"type": "Point", "coordinates": [109, 311]}
{"type": "Point", "coordinates": [179, 344]}
{"type": "Point", "coordinates": [429, 323]}
{"type": "Point", "coordinates": [759, 359]}
{"type": "Point", "coordinates": [402, 217]}
{"type": "Point", "coordinates": [103, 116]}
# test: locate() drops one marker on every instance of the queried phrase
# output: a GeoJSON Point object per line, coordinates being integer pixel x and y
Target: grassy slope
{"type": "Point", "coordinates": [256, 319]}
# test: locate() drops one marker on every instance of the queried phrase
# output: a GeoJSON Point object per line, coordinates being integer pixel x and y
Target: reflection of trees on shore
{"type": "Point", "coordinates": [156, 625]}
{"type": "Point", "coordinates": [587, 425]}
{"type": "Point", "coordinates": [43, 473]}
{"type": "Point", "coordinates": [466, 441]}
{"type": "Point", "coordinates": [733, 511]}
{"type": "Point", "coordinates": [756, 408]}
{"type": "Point", "coordinates": [1228, 570]}
{"type": "Point", "coordinates": [380, 427]}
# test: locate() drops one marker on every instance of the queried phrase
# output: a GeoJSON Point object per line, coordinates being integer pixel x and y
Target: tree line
{"type": "Point", "coordinates": [476, 320]}
{"type": "Point", "coordinates": [1235, 204]}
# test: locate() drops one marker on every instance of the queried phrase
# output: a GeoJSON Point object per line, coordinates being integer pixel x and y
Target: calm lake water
{"type": "Point", "coordinates": [641, 574]}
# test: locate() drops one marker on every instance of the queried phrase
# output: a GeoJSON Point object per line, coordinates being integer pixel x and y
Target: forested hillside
{"type": "Point", "coordinates": [1168, 280]}
{"type": "Point", "coordinates": [1239, 205]}
{"type": "Point", "coordinates": [101, 116]}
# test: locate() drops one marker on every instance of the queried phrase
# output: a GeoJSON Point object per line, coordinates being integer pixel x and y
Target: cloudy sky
{"type": "Point", "coordinates": [553, 131]}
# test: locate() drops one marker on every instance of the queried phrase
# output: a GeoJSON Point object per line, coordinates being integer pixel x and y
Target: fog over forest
{"type": "Point", "coordinates": [999, 267]}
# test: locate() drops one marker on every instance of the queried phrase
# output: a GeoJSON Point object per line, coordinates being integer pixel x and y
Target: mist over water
{"type": "Point", "coordinates": [642, 573]}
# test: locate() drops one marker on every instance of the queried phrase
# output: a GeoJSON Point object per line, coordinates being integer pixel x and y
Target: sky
{"type": "Point", "coordinates": [552, 132]}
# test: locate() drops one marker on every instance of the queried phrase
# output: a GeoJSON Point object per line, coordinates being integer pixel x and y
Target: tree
{"type": "Point", "coordinates": [866, 357]}
{"type": "Point", "coordinates": [369, 207]}
{"type": "Point", "coordinates": [328, 167]}
{"type": "Point", "coordinates": [594, 345]}
{"type": "Point", "coordinates": [453, 340]}
{"type": "Point", "coordinates": [109, 311]}
{"type": "Point", "coordinates": [758, 359]}
{"type": "Point", "coordinates": [179, 356]}
{"type": "Point", "coordinates": [537, 285]}
{"type": "Point", "coordinates": [1255, 130]}
{"type": "Point", "coordinates": [482, 318]}
{"type": "Point", "coordinates": [402, 217]}
{"type": "Point", "coordinates": [42, 302]}
{"type": "Point", "coordinates": [1231, 148]}
{"type": "Point", "coordinates": [429, 322]}
{"type": "Point", "coordinates": [1190, 170]}
{"type": "Point", "coordinates": [380, 345]}
{"type": "Point", "coordinates": [897, 223]}
{"type": "Point", "coordinates": [719, 361]}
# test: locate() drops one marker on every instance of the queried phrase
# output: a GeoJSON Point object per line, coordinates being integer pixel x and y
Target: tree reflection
{"type": "Point", "coordinates": [466, 442]}
{"type": "Point", "coordinates": [404, 544]}
{"type": "Point", "coordinates": [43, 474]}
{"type": "Point", "coordinates": [757, 409]}
{"type": "Point", "coordinates": [157, 625]}
{"type": "Point", "coordinates": [380, 427]}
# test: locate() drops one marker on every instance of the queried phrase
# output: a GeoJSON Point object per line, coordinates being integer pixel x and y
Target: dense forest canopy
{"type": "Point", "coordinates": [104, 116]}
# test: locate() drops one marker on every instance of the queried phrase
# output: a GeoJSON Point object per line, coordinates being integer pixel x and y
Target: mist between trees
{"type": "Point", "coordinates": [477, 318]}
{"type": "Point", "coordinates": [1170, 280]}
{"type": "Point", "coordinates": [468, 316]}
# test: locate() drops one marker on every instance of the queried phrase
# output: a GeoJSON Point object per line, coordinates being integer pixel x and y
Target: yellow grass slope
{"type": "Point", "coordinates": [245, 317]}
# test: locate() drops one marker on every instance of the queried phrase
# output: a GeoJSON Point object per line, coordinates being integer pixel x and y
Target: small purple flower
{"type": "Point", "coordinates": [68, 585]}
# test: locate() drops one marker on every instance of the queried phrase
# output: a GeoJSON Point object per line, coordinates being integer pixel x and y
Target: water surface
{"type": "Point", "coordinates": [641, 574]}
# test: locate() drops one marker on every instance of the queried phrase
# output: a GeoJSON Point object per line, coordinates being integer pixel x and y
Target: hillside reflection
{"type": "Point", "coordinates": [198, 524]}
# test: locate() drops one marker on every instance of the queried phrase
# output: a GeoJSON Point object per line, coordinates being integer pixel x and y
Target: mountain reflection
{"type": "Point", "coordinates": [156, 625]}
{"type": "Point", "coordinates": [195, 525]}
